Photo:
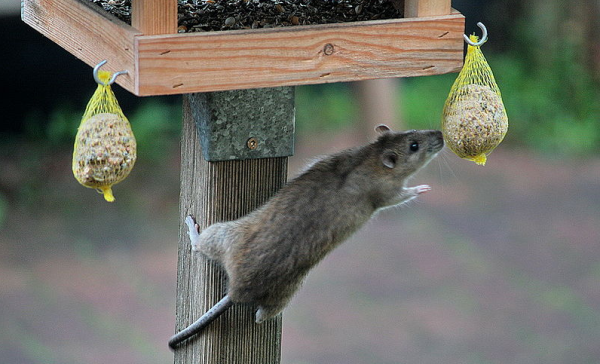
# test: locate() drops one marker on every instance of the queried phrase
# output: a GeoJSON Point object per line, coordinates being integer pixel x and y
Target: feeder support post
{"type": "Point", "coordinates": [222, 190]}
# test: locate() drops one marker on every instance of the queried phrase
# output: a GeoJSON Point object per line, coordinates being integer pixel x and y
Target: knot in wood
{"type": "Point", "coordinates": [328, 49]}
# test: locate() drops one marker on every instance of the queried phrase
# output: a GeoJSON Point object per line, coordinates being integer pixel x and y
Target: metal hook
{"type": "Point", "coordinates": [112, 79]}
{"type": "Point", "coordinates": [484, 36]}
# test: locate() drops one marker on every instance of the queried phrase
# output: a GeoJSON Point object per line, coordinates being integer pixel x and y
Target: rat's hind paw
{"type": "Point", "coordinates": [193, 232]}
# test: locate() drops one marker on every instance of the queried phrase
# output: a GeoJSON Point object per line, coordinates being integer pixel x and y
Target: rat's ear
{"type": "Point", "coordinates": [389, 159]}
{"type": "Point", "coordinates": [382, 128]}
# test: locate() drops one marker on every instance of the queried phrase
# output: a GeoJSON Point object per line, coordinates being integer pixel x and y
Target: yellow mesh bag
{"type": "Point", "coordinates": [474, 120]}
{"type": "Point", "coordinates": [105, 147]}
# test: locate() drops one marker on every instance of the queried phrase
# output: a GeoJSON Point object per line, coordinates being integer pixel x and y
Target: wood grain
{"type": "Point", "coordinates": [87, 32]}
{"type": "Point", "coordinates": [212, 192]}
{"type": "Point", "coordinates": [154, 16]}
{"type": "Point", "coordinates": [184, 63]}
{"type": "Point", "coordinates": [422, 8]}
{"type": "Point", "coordinates": [241, 59]}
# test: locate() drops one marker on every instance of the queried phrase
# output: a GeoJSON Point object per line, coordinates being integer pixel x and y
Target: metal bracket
{"type": "Point", "coordinates": [245, 124]}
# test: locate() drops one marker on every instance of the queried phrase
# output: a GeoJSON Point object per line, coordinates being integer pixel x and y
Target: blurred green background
{"type": "Point", "coordinates": [498, 264]}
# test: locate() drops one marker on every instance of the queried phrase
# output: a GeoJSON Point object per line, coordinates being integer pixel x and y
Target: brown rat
{"type": "Point", "coordinates": [268, 252]}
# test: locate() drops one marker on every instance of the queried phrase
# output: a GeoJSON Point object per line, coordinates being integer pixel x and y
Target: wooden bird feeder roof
{"type": "Point", "coordinates": [159, 61]}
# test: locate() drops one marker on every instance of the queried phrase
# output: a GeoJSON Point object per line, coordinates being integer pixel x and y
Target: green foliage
{"type": "Point", "coordinates": [324, 108]}
{"type": "Point", "coordinates": [552, 109]}
{"type": "Point", "coordinates": [155, 123]}
{"type": "Point", "coordinates": [156, 126]}
{"type": "Point", "coordinates": [60, 127]}
{"type": "Point", "coordinates": [422, 100]}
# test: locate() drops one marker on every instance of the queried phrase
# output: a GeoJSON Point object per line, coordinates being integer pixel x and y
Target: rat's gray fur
{"type": "Point", "coordinates": [267, 253]}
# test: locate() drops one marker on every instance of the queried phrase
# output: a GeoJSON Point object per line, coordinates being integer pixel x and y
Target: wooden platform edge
{"type": "Point", "coordinates": [240, 59]}
{"type": "Point", "coordinates": [86, 31]}
{"type": "Point", "coordinates": [216, 61]}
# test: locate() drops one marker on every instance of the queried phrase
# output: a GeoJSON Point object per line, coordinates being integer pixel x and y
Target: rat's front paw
{"type": "Point", "coordinates": [422, 189]}
{"type": "Point", "coordinates": [409, 193]}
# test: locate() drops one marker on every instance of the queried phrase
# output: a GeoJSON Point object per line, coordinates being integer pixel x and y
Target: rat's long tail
{"type": "Point", "coordinates": [201, 323]}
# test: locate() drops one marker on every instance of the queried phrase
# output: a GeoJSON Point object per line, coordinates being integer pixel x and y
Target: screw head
{"type": "Point", "coordinates": [252, 143]}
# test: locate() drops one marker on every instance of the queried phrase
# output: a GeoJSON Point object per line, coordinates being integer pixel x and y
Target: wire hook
{"type": "Point", "coordinates": [484, 36]}
{"type": "Point", "coordinates": [112, 79]}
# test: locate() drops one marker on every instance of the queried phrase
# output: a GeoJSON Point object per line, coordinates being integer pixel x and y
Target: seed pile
{"type": "Point", "coordinates": [475, 122]}
{"type": "Point", "coordinates": [105, 152]}
{"type": "Point", "coordinates": [215, 15]}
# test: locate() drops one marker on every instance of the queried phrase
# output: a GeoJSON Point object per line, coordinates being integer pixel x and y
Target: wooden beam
{"type": "Point", "coordinates": [153, 17]}
{"type": "Point", "coordinates": [213, 192]}
{"type": "Point", "coordinates": [421, 8]}
{"type": "Point", "coordinates": [240, 59]}
{"type": "Point", "coordinates": [304, 55]}
{"type": "Point", "coordinates": [84, 30]}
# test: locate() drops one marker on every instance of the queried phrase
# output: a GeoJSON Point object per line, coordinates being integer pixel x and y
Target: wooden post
{"type": "Point", "coordinates": [421, 8]}
{"type": "Point", "coordinates": [221, 191]}
{"type": "Point", "coordinates": [153, 17]}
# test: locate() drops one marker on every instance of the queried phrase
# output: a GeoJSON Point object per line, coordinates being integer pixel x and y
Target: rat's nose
{"type": "Point", "coordinates": [436, 141]}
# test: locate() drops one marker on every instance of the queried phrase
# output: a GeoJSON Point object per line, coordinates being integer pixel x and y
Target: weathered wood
{"type": "Point", "coordinates": [420, 8]}
{"type": "Point", "coordinates": [256, 58]}
{"type": "Point", "coordinates": [154, 16]}
{"type": "Point", "coordinates": [212, 192]}
{"type": "Point", "coordinates": [171, 64]}
{"type": "Point", "coordinates": [84, 30]}
{"type": "Point", "coordinates": [253, 130]}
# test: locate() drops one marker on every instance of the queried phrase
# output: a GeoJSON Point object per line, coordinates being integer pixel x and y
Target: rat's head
{"type": "Point", "coordinates": [404, 153]}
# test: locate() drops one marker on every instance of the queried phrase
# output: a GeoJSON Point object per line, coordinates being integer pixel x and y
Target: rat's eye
{"type": "Point", "coordinates": [414, 146]}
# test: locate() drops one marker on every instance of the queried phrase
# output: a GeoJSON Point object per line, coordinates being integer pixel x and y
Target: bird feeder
{"type": "Point", "coordinates": [233, 156]}
{"type": "Point", "coordinates": [162, 62]}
